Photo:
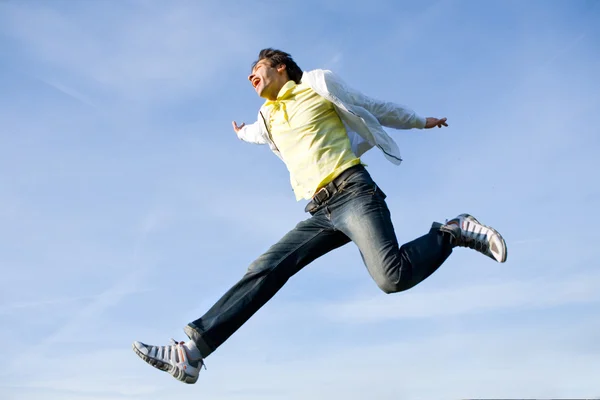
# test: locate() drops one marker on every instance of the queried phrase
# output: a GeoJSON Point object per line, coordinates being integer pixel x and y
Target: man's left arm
{"type": "Point", "coordinates": [397, 116]}
{"type": "Point", "coordinates": [387, 113]}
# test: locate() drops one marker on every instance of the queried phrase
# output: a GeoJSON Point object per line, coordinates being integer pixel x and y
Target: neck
{"type": "Point", "coordinates": [270, 96]}
{"type": "Point", "coordinates": [272, 92]}
{"type": "Point", "coordinates": [275, 87]}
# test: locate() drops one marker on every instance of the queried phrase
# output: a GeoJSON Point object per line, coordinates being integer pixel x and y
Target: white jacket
{"type": "Point", "coordinates": [364, 117]}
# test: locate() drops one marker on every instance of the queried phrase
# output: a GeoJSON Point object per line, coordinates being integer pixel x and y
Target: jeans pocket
{"type": "Point", "coordinates": [360, 188]}
{"type": "Point", "coordinates": [360, 182]}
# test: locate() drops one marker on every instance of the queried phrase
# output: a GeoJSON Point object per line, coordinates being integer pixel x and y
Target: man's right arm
{"type": "Point", "coordinates": [250, 133]}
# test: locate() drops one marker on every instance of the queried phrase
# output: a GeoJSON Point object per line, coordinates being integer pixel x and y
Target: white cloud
{"type": "Point", "coordinates": [472, 298]}
{"type": "Point", "coordinates": [102, 372]}
{"type": "Point", "coordinates": [26, 306]}
{"type": "Point", "coordinates": [525, 362]}
{"type": "Point", "coordinates": [102, 204]}
{"type": "Point", "coordinates": [152, 53]}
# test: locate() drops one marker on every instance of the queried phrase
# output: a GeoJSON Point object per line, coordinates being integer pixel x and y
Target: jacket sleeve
{"type": "Point", "coordinates": [387, 113]}
{"type": "Point", "coordinates": [253, 134]}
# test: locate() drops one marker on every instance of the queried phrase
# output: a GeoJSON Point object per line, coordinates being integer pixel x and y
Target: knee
{"type": "Point", "coordinates": [389, 286]}
{"type": "Point", "coordinates": [266, 263]}
{"type": "Point", "coordinates": [260, 265]}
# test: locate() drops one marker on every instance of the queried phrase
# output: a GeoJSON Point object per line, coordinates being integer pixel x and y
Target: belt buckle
{"type": "Point", "coordinates": [318, 197]}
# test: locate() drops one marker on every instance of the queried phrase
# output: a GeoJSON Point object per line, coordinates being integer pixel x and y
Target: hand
{"type": "Point", "coordinates": [237, 128]}
{"type": "Point", "coordinates": [431, 122]}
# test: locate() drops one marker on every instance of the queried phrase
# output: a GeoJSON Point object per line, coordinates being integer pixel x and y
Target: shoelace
{"type": "Point", "coordinates": [475, 241]}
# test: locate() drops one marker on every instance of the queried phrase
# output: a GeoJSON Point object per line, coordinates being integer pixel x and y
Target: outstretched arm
{"type": "Point", "coordinates": [397, 116]}
{"type": "Point", "coordinates": [390, 114]}
{"type": "Point", "coordinates": [387, 113]}
{"type": "Point", "coordinates": [249, 133]}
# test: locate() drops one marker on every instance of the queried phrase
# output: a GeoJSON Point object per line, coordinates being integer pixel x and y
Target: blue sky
{"type": "Point", "coordinates": [128, 206]}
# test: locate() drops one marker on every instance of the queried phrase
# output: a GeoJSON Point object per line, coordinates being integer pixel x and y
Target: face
{"type": "Point", "coordinates": [267, 80]}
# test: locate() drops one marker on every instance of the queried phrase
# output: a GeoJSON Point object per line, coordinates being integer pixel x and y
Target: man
{"type": "Point", "coordinates": [320, 127]}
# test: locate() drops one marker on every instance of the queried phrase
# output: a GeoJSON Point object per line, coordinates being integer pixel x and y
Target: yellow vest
{"type": "Point", "coordinates": [311, 138]}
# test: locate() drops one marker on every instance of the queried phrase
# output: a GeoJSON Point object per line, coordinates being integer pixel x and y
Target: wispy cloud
{"type": "Point", "coordinates": [565, 49]}
{"type": "Point", "coordinates": [90, 379]}
{"type": "Point", "coordinates": [334, 62]}
{"type": "Point", "coordinates": [507, 362]}
{"type": "Point", "coordinates": [185, 40]}
{"type": "Point", "coordinates": [72, 93]}
{"type": "Point", "coordinates": [473, 298]}
{"type": "Point", "coordinates": [129, 207]}
{"type": "Point", "coordinates": [29, 306]}
{"type": "Point", "coordinates": [86, 316]}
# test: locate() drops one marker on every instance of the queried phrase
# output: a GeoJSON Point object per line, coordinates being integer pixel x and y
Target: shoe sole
{"type": "Point", "coordinates": [472, 218]}
{"type": "Point", "coordinates": [166, 367]}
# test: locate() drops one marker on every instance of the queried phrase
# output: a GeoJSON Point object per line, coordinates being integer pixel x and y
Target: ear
{"type": "Point", "coordinates": [281, 68]}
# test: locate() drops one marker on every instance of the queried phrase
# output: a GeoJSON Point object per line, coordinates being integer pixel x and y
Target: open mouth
{"type": "Point", "coordinates": [255, 82]}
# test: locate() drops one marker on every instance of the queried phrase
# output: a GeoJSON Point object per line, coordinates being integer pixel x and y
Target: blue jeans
{"type": "Point", "coordinates": [357, 212]}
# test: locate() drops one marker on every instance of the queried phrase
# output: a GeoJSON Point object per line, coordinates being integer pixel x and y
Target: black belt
{"type": "Point", "coordinates": [327, 191]}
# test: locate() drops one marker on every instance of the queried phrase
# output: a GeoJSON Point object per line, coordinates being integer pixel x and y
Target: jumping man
{"type": "Point", "coordinates": [319, 127]}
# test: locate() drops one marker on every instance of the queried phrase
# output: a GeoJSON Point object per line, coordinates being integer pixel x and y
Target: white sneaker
{"type": "Point", "coordinates": [468, 232]}
{"type": "Point", "coordinates": [172, 359]}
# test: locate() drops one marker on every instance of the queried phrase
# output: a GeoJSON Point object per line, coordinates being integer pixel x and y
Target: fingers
{"type": "Point", "coordinates": [432, 122]}
{"type": "Point", "coordinates": [236, 128]}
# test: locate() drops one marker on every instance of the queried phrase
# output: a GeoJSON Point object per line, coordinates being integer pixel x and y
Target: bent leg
{"type": "Point", "coordinates": [309, 240]}
{"type": "Point", "coordinates": [366, 220]}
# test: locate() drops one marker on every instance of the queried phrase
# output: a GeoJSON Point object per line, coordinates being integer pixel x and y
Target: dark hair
{"type": "Point", "coordinates": [278, 57]}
